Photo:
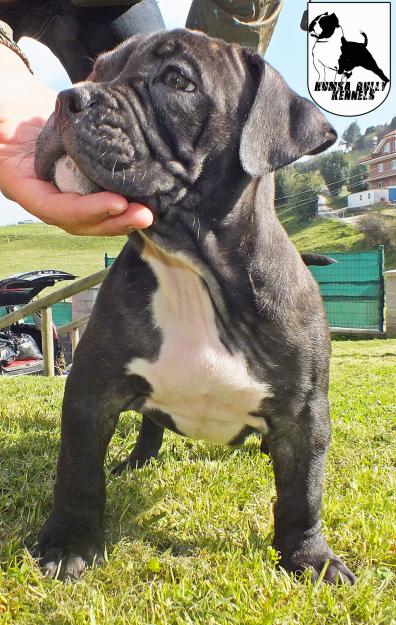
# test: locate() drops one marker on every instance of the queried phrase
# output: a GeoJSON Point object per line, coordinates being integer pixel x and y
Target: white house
{"type": "Point", "coordinates": [366, 198]}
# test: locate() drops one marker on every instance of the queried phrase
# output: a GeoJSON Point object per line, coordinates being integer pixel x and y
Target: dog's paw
{"type": "Point", "coordinates": [316, 556]}
{"type": "Point", "coordinates": [121, 467]}
{"type": "Point", "coordinates": [65, 548]}
{"type": "Point", "coordinates": [336, 571]}
{"type": "Point", "coordinates": [131, 463]}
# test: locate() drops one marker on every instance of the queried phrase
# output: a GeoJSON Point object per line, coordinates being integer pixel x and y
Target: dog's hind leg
{"type": "Point", "coordinates": [372, 66]}
{"type": "Point", "coordinates": [264, 446]}
{"type": "Point", "coordinates": [147, 446]}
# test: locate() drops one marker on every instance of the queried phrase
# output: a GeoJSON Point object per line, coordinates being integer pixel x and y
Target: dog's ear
{"type": "Point", "coordinates": [281, 126]}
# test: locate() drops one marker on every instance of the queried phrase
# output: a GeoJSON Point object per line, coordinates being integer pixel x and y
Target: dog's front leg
{"type": "Point", "coordinates": [324, 75]}
{"type": "Point", "coordinates": [298, 450]}
{"type": "Point", "coordinates": [72, 537]}
{"type": "Point", "coordinates": [317, 66]}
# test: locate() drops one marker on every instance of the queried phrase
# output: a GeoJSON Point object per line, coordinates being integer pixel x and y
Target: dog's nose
{"type": "Point", "coordinates": [72, 101]}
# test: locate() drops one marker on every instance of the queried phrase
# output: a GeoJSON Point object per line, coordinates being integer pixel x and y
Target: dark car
{"type": "Point", "coordinates": [20, 343]}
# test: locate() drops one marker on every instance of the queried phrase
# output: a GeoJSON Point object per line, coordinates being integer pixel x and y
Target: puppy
{"type": "Point", "coordinates": [213, 326]}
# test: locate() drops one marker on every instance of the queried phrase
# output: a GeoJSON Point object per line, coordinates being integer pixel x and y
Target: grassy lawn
{"type": "Point", "coordinates": [189, 536]}
{"type": "Point", "coordinates": [38, 246]}
{"type": "Point", "coordinates": [330, 235]}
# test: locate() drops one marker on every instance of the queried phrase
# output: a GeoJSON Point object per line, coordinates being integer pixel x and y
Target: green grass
{"type": "Point", "coordinates": [189, 536]}
{"type": "Point", "coordinates": [331, 235]}
{"type": "Point", "coordinates": [323, 235]}
{"type": "Point", "coordinates": [38, 246]}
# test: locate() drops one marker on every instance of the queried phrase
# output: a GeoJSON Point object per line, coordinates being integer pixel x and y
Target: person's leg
{"type": "Point", "coordinates": [102, 29]}
{"type": "Point", "coordinates": [216, 18]}
{"type": "Point", "coordinates": [144, 17]}
{"type": "Point", "coordinates": [77, 35]}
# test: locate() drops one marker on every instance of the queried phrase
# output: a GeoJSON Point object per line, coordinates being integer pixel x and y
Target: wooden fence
{"type": "Point", "coordinates": [44, 304]}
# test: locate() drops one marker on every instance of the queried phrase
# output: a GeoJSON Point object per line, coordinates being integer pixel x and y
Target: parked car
{"type": "Point", "coordinates": [20, 343]}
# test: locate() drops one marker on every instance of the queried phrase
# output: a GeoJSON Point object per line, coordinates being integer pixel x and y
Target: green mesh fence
{"type": "Point", "coordinates": [352, 289]}
{"type": "Point", "coordinates": [61, 313]}
{"type": "Point", "coordinates": [109, 260]}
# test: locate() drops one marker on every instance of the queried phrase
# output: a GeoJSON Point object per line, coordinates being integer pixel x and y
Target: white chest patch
{"type": "Point", "coordinates": [207, 391]}
{"type": "Point", "coordinates": [328, 52]}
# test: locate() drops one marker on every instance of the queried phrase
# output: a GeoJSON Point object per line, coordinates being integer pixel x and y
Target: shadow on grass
{"type": "Point", "coordinates": [27, 475]}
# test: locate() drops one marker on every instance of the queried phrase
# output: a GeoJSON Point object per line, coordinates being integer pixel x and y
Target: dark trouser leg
{"type": "Point", "coordinates": [216, 18]}
{"type": "Point", "coordinates": [79, 34]}
{"type": "Point", "coordinates": [144, 17]}
{"type": "Point", "coordinates": [298, 451]}
{"type": "Point", "coordinates": [73, 535]}
{"type": "Point", "coordinates": [147, 446]}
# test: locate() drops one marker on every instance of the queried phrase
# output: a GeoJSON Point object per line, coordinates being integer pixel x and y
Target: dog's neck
{"type": "Point", "coordinates": [241, 252]}
{"type": "Point", "coordinates": [336, 37]}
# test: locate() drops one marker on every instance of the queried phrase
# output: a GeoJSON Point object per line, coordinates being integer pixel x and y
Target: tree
{"type": "Point", "coordinates": [358, 178]}
{"type": "Point", "coordinates": [351, 134]}
{"type": "Point", "coordinates": [335, 170]}
{"type": "Point", "coordinates": [305, 195]}
{"type": "Point", "coordinates": [284, 184]}
{"type": "Point", "coordinates": [392, 125]}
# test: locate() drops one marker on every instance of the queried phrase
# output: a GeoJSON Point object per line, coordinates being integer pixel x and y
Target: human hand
{"type": "Point", "coordinates": [24, 108]}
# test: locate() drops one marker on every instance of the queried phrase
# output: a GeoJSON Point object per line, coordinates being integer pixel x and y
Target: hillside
{"type": "Point", "coordinates": [330, 235]}
{"type": "Point", "coordinates": [38, 246]}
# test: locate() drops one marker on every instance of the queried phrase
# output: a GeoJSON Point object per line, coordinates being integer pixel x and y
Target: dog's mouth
{"type": "Point", "coordinates": [55, 164]}
{"type": "Point", "coordinates": [69, 178]}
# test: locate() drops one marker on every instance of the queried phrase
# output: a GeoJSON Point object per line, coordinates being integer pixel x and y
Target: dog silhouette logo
{"type": "Point", "coordinates": [348, 55]}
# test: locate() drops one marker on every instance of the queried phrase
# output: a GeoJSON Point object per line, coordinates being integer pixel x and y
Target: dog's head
{"type": "Point", "coordinates": [173, 115]}
{"type": "Point", "coordinates": [323, 26]}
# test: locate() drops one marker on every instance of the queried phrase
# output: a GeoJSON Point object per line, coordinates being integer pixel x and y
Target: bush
{"type": "Point", "coordinates": [373, 229]}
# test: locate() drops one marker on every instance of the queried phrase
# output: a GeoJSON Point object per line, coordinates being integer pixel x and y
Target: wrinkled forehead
{"type": "Point", "coordinates": [212, 59]}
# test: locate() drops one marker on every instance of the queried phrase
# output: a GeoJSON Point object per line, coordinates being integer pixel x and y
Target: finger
{"type": "Point", "coordinates": [79, 214]}
{"type": "Point", "coordinates": [84, 209]}
{"type": "Point", "coordinates": [136, 216]}
{"type": "Point", "coordinates": [69, 210]}
{"type": "Point", "coordinates": [140, 215]}
{"type": "Point", "coordinates": [108, 212]}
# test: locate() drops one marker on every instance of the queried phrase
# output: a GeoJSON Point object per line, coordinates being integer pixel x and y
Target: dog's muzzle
{"type": "Point", "coordinates": [52, 161]}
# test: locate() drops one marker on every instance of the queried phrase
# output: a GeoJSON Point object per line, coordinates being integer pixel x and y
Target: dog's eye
{"type": "Point", "coordinates": [175, 79]}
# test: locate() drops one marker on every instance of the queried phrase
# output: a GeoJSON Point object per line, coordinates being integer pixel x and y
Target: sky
{"type": "Point", "coordinates": [286, 52]}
